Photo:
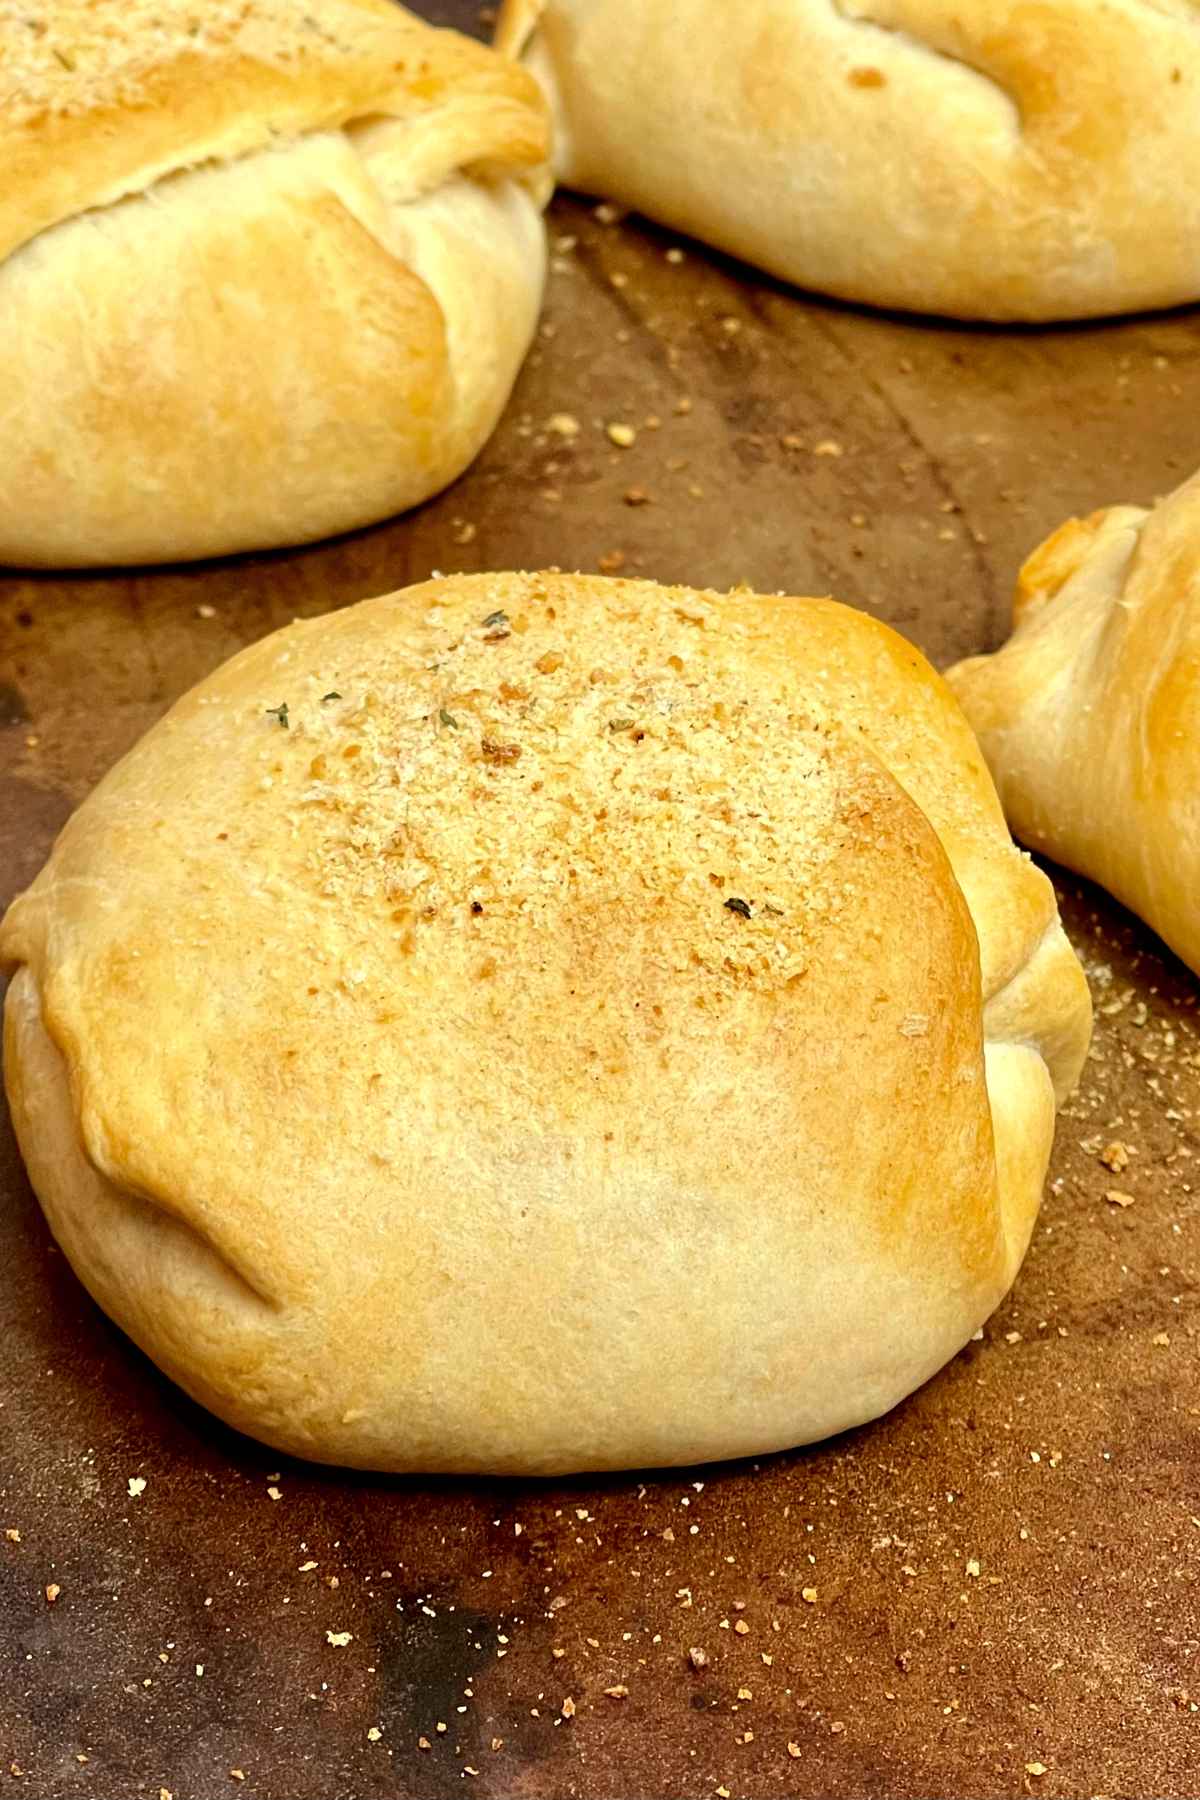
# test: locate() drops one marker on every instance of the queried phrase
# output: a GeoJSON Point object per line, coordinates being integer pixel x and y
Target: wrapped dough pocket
{"type": "Point", "coordinates": [533, 1023]}
{"type": "Point", "coordinates": [986, 159]}
{"type": "Point", "coordinates": [1087, 716]}
{"type": "Point", "coordinates": [267, 270]}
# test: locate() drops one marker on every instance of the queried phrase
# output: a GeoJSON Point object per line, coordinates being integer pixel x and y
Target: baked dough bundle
{"type": "Point", "coordinates": [992, 159]}
{"type": "Point", "coordinates": [267, 269]}
{"type": "Point", "coordinates": [1088, 715]}
{"type": "Point", "coordinates": [435, 1043]}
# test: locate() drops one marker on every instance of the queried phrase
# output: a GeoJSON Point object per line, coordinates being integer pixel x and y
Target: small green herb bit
{"type": "Point", "coordinates": [279, 712]}
{"type": "Point", "coordinates": [448, 718]}
{"type": "Point", "coordinates": [740, 907]}
{"type": "Point", "coordinates": [495, 619]}
{"type": "Point", "coordinates": [331, 695]}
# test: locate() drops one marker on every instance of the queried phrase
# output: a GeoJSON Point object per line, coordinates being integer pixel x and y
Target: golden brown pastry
{"type": "Point", "coordinates": [267, 269]}
{"type": "Point", "coordinates": [531, 1023]}
{"type": "Point", "coordinates": [1088, 715]}
{"type": "Point", "coordinates": [992, 159]}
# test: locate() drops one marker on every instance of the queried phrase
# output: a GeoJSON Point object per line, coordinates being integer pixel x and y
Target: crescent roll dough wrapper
{"type": "Point", "coordinates": [1087, 716]}
{"type": "Point", "coordinates": [267, 271]}
{"type": "Point", "coordinates": [985, 159]}
{"type": "Point", "coordinates": [534, 1022]}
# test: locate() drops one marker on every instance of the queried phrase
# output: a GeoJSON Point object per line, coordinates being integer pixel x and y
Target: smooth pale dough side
{"type": "Point", "coordinates": [401, 1082]}
{"type": "Point", "coordinates": [310, 279]}
{"type": "Point", "coordinates": [1087, 716]}
{"type": "Point", "coordinates": [999, 159]}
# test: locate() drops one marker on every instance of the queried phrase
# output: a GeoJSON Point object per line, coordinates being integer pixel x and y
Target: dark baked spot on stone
{"type": "Point", "coordinates": [13, 710]}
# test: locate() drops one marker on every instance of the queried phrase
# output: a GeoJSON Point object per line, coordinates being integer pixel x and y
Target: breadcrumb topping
{"type": "Point", "coordinates": [503, 764]}
{"type": "Point", "coordinates": [51, 55]}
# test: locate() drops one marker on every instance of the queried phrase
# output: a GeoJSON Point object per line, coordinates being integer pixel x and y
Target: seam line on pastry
{"type": "Point", "coordinates": [137, 1197]}
{"type": "Point", "coordinates": [997, 996]}
{"type": "Point", "coordinates": [278, 144]}
{"type": "Point", "coordinates": [922, 45]}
